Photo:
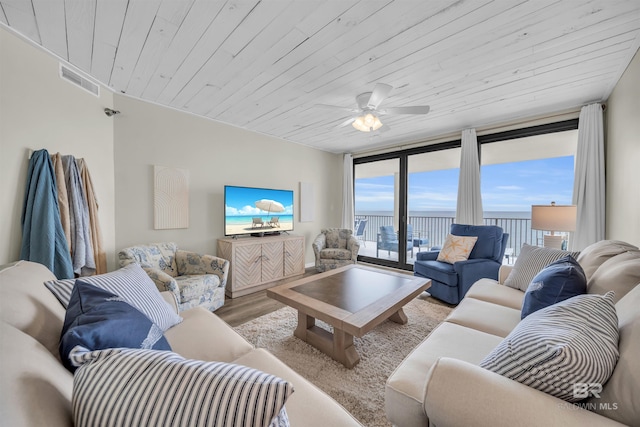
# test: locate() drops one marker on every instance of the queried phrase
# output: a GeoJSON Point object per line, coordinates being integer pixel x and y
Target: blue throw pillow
{"type": "Point", "coordinates": [558, 281]}
{"type": "Point", "coordinates": [97, 319]}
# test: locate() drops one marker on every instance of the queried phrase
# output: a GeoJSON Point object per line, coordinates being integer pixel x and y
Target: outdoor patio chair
{"type": "Point", "coordinates": [257, 222]}
{"type": "Point", "coordinates": [388, 240]}
{"type": "Point", "coordinates": [361, 225]}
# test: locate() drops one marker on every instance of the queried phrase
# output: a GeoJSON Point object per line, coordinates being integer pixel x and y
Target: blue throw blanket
{"type": "Point", "coordinates": [43, 239]}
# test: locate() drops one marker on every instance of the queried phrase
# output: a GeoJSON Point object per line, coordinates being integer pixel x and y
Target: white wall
{"type": "Point", "coordinates": [623, 157]}
{"type": "Point", "coordinates": [215, 154]}
{"type": "Point", "coordinates": [40, 110]}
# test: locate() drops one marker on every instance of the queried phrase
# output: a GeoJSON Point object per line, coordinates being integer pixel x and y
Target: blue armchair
{"type": "Point", "coordinates": [388, 239]}
{"type": "Point", "coordinates": [450, 282]}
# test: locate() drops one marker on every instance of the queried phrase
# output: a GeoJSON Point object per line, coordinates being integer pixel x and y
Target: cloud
{"type": "Point", "coordinates": [509, 187]}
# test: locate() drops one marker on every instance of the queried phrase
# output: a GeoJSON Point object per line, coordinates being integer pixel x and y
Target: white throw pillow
{"type": "Point", "coordinates": [135, 387]}
{"type": "Point", "coordinates": [562, 349]}
{"type": "Point", "coordinates": [133, 285]}
{"type": "Point", "coordinates": [456, 248]}
{"type": "Point", "coordinates": [531, 261]}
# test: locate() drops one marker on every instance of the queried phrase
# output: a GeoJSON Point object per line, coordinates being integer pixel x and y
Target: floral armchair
{"type": "Point", "coordinates": [194, 279]}
{"type": "Point", "coordinates": [335, 247]}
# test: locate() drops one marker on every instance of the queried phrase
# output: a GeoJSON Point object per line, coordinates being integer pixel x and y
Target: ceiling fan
{"type": "Point", "coordinates": [366, 118]}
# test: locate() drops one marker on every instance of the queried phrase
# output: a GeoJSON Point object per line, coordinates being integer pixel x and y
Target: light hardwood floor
{"type": "Point", "coordinates": [237, 311]}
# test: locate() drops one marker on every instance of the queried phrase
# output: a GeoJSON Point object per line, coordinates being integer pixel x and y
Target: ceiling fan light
{"type": "Point", "coordinates": [367, 123]}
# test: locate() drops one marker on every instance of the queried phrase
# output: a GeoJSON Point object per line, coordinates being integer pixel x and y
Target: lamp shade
{"type": "Point", "coordinates": [367, 123]}
{"type": "Point", "coordinates": [553, 217]}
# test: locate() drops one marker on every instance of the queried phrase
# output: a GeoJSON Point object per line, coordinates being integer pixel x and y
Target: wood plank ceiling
{"type": "Point", "coordinates": [265, 65]}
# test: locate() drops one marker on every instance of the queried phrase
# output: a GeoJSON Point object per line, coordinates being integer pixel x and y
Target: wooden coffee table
{"type": "Point", "coordinates": [353, 299]}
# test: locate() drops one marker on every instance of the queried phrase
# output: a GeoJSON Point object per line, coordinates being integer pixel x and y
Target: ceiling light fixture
{"type": "Point", "coordinates": [367, 123]}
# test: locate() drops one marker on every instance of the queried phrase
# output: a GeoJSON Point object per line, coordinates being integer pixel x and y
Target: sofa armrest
{"type": "Point", "coordinates": [503, 273]}
{"type": "Point", "coordinates": [192, 263]}
{"type": "Point", "coordinates": [319, 244]}
{"type": "Point", "coordinates": [472, 270]}
{"type": "Point", "coordinates": [353, 244]}
{"type": "Point", "coordinates": [489, 399]}
{"type": "Point", "coordinates": [163, 281]}
{"type": "Point", "coordinates": [427, 255]}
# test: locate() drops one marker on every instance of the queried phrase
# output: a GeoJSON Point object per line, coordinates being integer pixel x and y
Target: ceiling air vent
{"type": "Point", "coordinates": [77, 79]}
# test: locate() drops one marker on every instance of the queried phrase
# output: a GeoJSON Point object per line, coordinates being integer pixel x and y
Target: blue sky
{"type": "Point", "coordinates": [505, 187]}
{"type": "Point", "coordinates": [241, 200]}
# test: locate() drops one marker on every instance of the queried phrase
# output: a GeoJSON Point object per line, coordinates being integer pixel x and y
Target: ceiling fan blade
{"type": "Point", "coordinates": [417, 109]}
{"type": "Point", "coordinates": [346, 122]}
{"type": "Point", "coordinates": [336, 107]}
{"type": "Point", "coordinates": [379, 94]}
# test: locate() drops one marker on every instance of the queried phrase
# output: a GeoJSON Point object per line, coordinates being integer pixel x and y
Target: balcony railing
{"type": "Point", "coordinates": [436, 228]}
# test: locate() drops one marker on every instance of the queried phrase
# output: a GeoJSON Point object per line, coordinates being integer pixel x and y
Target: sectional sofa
{"type": "Point", "coordinates": [37, 389]}
{"type": "Point", "coordinates": [441, 383]}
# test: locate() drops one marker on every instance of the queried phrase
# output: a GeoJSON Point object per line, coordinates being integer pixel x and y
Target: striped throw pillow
{"type": "Point", "coordinates": [135, 387]}
{"type": "Point", "coordinates": [563, 348]}
{"type": "Point", "coordinates": [531, 261]}
{"type": "Point", "coordinates": [133, 285]}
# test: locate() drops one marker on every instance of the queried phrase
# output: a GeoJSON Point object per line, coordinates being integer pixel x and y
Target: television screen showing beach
{"type": "Point", "coordinates": [257, 210]}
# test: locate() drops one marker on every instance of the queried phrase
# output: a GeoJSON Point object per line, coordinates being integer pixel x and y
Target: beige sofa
{"type": "Point", "coordinates": [36, 389]}
{"type": "Point", "coordinates": [441, 384]}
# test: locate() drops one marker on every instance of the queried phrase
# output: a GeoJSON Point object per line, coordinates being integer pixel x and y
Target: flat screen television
{"type": "Point", "coordinates": [257, 211]}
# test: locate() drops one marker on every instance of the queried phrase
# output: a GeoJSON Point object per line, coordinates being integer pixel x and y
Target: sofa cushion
{"type": "Point", "coordinates": [620, 274]}
{"type": "Point", "coordinates": [197, 286]}
{"type": "Point", "coordinates": [573, 341]}
{"type": "Point", "coordinates": [594, 255]}
{"type": "Point", "coordinates": [621, 391]}
{"type": "Point", "coordinates": [556, 282]}
{"type": "Point", "coordinates": [147, 387]}
{"type": "Point", "coordinates": [436, 270]}
{"type": "Point", "coordinates": [35, 387]}
{"type": "Point", "coordinates": [133, 285]}
{"type": "Point", "coordinates": [489, 245]}
{"type": "Point", "coordinates": [485, 316]}
{"type": "Point", "coordinates": [491, 291]}
{"type": "Point", "coordinates": [456, 248]}
{"type": "Point", "coordinates": [192, 338]}
{"type": "Point", "coordinates": [97, 319]}
{"type": "Point", "coordinates": [531, 261]}
{"type": "Point", "coordinates": [331, 253]}
{"type": "Point", "coordinates": [406, 387]}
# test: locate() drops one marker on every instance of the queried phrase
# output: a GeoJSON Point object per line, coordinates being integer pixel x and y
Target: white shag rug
{"type": "Point", "coordinates": [361, 389]}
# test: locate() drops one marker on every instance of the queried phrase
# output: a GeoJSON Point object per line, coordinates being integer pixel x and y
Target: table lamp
{"type": "Point", "coordinates": [553, 218]}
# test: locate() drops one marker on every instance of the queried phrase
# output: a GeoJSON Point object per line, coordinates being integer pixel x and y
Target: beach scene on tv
{"type": "Point", "coordinates": [257, 210]}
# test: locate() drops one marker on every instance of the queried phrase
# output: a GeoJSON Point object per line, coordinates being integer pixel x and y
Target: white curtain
{"type": "Point", "coordinates": [469, 208]}
{"type": "Point", "coordinates": [589, 185]}
{"type": "Point", "coordinates": [348, 216]}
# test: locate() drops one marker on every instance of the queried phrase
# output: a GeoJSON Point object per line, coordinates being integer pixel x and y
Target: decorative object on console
{"type": "Point", "coordinates": [553, 218]}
